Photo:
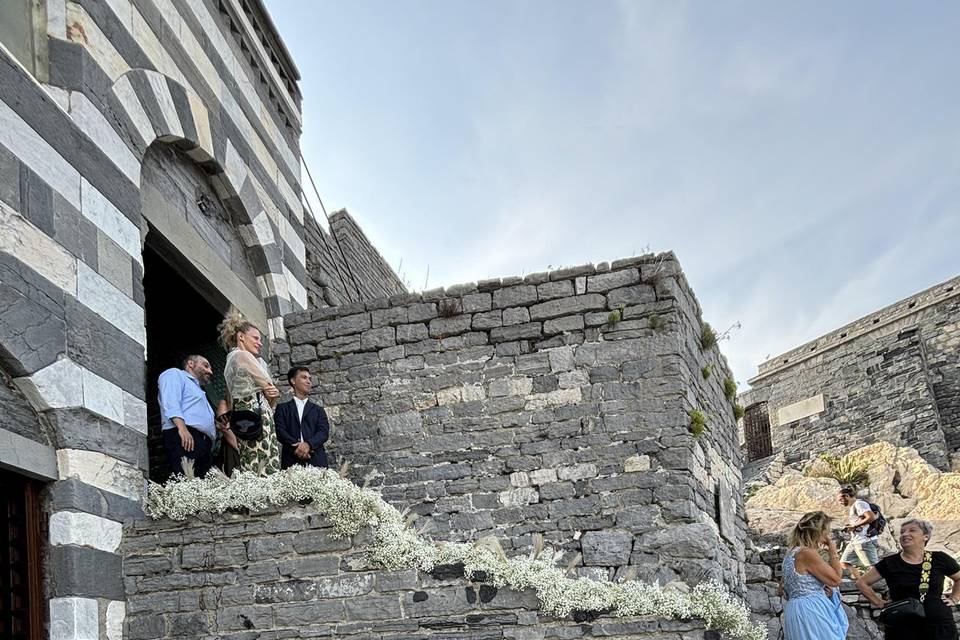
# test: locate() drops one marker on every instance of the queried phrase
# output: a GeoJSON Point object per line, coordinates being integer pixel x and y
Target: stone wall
{"type": "Point", "coordinates": [893, 376]}
{"type": "Point", "coordinates": [282, 574]}
{"type": "Point", "coordinates": [517, 406]}
{"type": "Point", "coordinates": [344, 266]}
{"type": "Point", "coordinates": [171, 119]}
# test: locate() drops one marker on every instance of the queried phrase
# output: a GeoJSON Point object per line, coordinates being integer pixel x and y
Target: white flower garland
{"type": "Point", "coordinates": [395, 545]}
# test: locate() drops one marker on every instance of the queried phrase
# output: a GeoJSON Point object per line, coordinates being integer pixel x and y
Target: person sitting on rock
{"type": "Point", "coordinates": [862, 548]}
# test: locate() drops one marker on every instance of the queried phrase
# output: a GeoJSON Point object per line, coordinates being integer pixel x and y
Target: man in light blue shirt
{"type": "Point", "coordinates": [186, 416]}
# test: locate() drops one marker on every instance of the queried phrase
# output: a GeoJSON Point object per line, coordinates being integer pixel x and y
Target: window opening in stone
{"type": "Point", "coordinates": [756, 426]}
{"type": "Point", "coordinates": [21, 573]}
{"type": "Point", "coordinates": [182, 312]}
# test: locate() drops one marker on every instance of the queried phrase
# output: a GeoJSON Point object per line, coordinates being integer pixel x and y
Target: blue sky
{"type": "Point", "coordinates": [803, 161]}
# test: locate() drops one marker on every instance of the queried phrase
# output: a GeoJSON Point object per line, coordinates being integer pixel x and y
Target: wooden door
{"type": "Point", "coordinates": [21, 538]}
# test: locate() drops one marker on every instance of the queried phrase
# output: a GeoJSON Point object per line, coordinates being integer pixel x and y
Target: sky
{"type": "Point", "coordinates": [802, 160]}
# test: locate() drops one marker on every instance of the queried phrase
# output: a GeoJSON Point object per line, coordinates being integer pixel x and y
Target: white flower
{"type": "Point", "coordinates": [396, 546]}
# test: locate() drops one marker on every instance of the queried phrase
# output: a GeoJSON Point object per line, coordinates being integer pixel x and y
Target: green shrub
{"type": "Point", "coordinates": [730, 388]}
{"type": "Point", "coordinates": [615, 316]}
{"type": "Point", "coordinates": [654, 321]}
{"type": "Point", "coordinates": [447, 308]}
{"type": "Point", "coordinates": [738, 410]}
{"type": "Point", "coordinates": [698, 423]}
{"type": "Point", "coordinates": [705, 371]}
{"type": "Point", "coordinates": [844, 470]}
{"type": "Point", "coordinates": [708, 337]}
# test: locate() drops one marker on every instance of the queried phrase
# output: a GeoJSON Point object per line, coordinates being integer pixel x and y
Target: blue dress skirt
{"type": "Point", "coordinates": [809, 614]}
{"type": "Point", "coordinates": [815, 617]}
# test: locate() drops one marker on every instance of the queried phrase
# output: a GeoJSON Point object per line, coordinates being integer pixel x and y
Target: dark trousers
{"type": "Point", "coordinates": [201, 454]}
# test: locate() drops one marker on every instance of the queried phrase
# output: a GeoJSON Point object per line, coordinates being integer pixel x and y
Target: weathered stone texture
{"type": "Point", "coordinates": [282, 573]}
{"type": "Point", "coordinates": [485, 422]}
{"type": "Point", "coordinates": [892, 376]}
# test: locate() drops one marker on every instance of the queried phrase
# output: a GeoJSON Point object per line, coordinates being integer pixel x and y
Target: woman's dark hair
{"type": "Point", "coordinates": [294, 371]}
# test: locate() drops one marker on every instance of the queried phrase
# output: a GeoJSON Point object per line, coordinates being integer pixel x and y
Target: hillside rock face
{"type": "Point", "coordinates": [902, 483]}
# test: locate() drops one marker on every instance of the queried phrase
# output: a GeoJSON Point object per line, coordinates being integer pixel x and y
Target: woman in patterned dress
{"type": "Point", "coordinates": [250, 388]}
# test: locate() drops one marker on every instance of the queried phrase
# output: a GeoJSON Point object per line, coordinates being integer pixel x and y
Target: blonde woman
{"type": "Point", "coordinates": [809, 613]}
{"type": "Point", "coordinates": [250, 388]}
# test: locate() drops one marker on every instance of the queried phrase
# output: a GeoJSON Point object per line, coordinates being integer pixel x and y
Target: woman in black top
{"type": "Point", "coordinates": [902, 572]}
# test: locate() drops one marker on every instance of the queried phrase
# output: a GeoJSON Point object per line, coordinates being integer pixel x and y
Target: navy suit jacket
{"type": "Point", "coordinates": [314, 427]}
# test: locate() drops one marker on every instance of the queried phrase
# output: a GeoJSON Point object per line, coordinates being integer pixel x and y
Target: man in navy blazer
{"type": "Point", "coordinates": [301, 424]}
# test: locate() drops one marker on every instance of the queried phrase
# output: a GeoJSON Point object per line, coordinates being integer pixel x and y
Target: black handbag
{"type": "Point", "coordinates": [909, 609]}
{"type": "Point", "coordinates": [247, 425]}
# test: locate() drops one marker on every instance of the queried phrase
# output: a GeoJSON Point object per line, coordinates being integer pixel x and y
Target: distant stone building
{"type": "Point", "coordinates": [893, 375]}
{"type": "Point", "coordinates": [149, 177]}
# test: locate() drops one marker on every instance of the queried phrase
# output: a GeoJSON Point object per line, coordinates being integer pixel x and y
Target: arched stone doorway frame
{"type": "Point", "coordinates": [161, 110]}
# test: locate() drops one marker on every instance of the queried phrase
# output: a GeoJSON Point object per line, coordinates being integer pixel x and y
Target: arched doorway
{"type": "Point", "coordinates": [195, 266]}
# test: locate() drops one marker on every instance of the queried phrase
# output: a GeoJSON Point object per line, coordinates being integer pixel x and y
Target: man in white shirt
{"type": "Point", "coordinates": [862, 548]}
{"type": "Point", "coordinates": [302, 425]}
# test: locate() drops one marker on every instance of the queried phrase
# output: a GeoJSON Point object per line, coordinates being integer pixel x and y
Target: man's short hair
{"type": "Point", "coordinates": [188, 359]}
{"type": "Point", "coordinates": [849, 492]}
{"type": "Point", "coordinates": [294, 371]}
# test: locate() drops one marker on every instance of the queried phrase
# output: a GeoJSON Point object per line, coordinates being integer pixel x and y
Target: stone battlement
{"type": "Point", "coordinates": [888, 319]}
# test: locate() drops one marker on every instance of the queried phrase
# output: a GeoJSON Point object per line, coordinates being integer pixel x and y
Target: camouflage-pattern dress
{"type": "Point", "coordinates": [246, 376]}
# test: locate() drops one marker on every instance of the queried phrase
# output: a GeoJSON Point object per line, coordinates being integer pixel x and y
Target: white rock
{"type": "Point", "coordinates": [101, 471]}
{"type": "Point", "coordinates": [116, 612]}
{"type": "Point", "coordinates": [519, 497]}
{"type": "Point", "coordinates": [101, 212]}
{"type": "Point", "coordinates": [519, 479]}
{"type": "Point", "coordinates": [36, 249]}
{"type": "Point", "coordinates": [85, 530]}
{"type": "Point", "coordinates": [553, 398]}
{"type": "Point", "coordinates": [134, 413]}
{"type": "Point", "coordinates": [31, 149]}
{"type": "Point", "coordinates": [577, 472]}
{"type": "Point", "coordinates": [74, 619]}
{"type": "Point", "coordinates": [94, 291]}
{"type": "Point", "coordinates": [103, 397]}
{"type": "Point", "coordinates": [636, 463]}
{"type": "Point", "coordinates": [56, 386]}
{"type": "Point", "coordinates": [92, 122]}
{"type": "Point", "coordinates": [543, 476]}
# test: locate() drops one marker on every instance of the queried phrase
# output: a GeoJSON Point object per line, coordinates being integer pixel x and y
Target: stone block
{"type": "Point", "coordinates": [696, 540]}
{"type": "Point", "coordinates": [577, 472]}
{"type": "Point", "coordinates": [520, 295]}
{"type": "Point", "coordinates": [543, 476]}
{"type": "Point", "coordinates": [606, 548]}
{"type": "Point", "coordinates": [637, 294]}
{"type": "Point", "coordinates": [515, 315]}
{"type": "Point", "coordinates": [373, 608]}
{"type": "Point", "coordinates": [26, 456]}
{"type": "Point", "coordinates": [73, 618]}
{"type": "Point", "coordinates": [568, 306]}
{"type": "Point", "coordinates": [455, 325]}
{"type": "Point", "coordinates": [516, 332]}
{"type": "Point", "coordinates": [412, 333]}
{"type": "Point", "coordinates": [612, 280]}
{"type": "Point", "coordinates": [71, 568]}
{"type": "Point", "coordinates": [356, 323]}
{"type": "Point", "coordinates": [476, 302]}
{"type": "Point", "coordinates": [102, 471]}
{"type": "Point", "coordinates": [84, 529]}
{"type": "Point", "coordinates": [519, 497]}
{"type": "Point", "coordinates": [488, 320]}
{"type": "Point", "coordinates": [636, 463]}
{"type": "Point", "coordinates": [555, 289]}
{"type": "Point", "coordinates": [561, 325]}
{"type": "Point", "coordinates": [379, 338]}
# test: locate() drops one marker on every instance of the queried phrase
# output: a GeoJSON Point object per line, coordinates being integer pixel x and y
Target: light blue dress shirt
{"type": "Point", "coordinates": [182, 397]}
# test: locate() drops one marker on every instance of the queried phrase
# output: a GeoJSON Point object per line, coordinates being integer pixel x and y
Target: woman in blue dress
{"type": "Point", "coordinates": [813, 610]}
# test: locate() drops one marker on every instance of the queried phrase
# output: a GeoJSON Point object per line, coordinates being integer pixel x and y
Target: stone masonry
{"type": "Point", "coordinates": [516, 406]}
{"type": "Point", "coordinates": [893, 375]}
{"type": "Point", "coordinates": [281, 574]}
{"type": "Point", "coordinates": [122, 121]}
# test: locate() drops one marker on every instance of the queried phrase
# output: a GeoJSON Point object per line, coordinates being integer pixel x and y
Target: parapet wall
{"type": "Point", "coordinates": [282, 574]}
{"type": "Point", "coordinates": [521, 406]}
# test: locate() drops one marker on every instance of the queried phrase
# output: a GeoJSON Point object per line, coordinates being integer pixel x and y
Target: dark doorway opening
{"type": "Point", "coordinates": [182, 312]}
{"type": "Point", "coordinates": [756, 427]}
{"type": "Point", "coordinates": [21, 574]}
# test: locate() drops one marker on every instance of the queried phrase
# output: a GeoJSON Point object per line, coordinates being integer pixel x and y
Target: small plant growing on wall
{"type": "Point", "coordinates": [729, 388]}
{"type": "Point", "coordinates": [706, 370]}
{"type": "Point", "coordinates": [615, 316]}
{"type": "Point", "coordinates": [654, 321]}
{"type": "Point", "coordinates": [738, 410]}
{"type": "Point", "coordinates": [447, 308]}
{"type": "Point", "coordinates": [708, 337]}
{"type": "Point", "coordinates": [698, 423]}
